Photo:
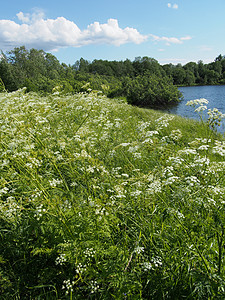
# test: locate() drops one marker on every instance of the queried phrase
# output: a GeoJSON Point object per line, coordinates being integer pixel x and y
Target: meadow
{"type": "Point", "coordinates": [103, 200]}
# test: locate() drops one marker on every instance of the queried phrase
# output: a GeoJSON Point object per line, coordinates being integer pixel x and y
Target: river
{"type": "Point", "coordinates": [214, 94]}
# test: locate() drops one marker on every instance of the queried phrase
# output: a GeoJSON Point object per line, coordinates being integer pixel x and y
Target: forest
{"type": "Point", "coordinates": [143, 82]}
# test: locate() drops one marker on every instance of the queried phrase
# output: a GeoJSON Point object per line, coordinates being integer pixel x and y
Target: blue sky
{"type": "Point", "coordinates": [170, 31]}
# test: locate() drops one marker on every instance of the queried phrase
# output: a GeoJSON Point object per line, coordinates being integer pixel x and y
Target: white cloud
{"type": "Point", "coordinates": [29, 18]}
{"type": "Point", "coordinates": [35, 31]}
{"type": "Point", "coordinates": [186, 38]}
{"type": "Point", "coordinates": [25, 18]}
{"type": "Point", "coordinates": [51, 34]}
{"type": "Point", "coordinates": [170, 40]}
{"type": "Point", "coordinates": [205, 48]}
{"type": "Point", "coordinates": [174, 61]}
{"type": "Point", "coordinates": [174, 6]}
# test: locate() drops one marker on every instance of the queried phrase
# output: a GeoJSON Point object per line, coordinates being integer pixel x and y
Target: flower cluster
{"type": "Point", "coordinates": [68, 286]}
{"type": "Point", "coordinates": [94, 286]}
{"type": "Point", "coordinates": [214, 115]}
{"type": "Point", "coordinates": [39, 212]}
{"type": "Point", "coordinates": [61, 259]}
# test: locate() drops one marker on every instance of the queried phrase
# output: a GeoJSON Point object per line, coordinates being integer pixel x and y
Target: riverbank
{"type": "Point", "coordinates": [100, 199]}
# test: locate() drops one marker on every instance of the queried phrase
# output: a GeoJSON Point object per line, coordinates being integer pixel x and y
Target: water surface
{"type": "Point", "coordinates": [214, 94]}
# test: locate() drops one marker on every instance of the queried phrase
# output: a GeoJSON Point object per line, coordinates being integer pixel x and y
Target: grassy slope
{"type": "Point", "coordinates": [102, 200]}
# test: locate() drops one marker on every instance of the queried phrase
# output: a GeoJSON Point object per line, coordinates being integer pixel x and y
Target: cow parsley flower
{"type": "Point", "coordinates": [94, 286]}
{"type": "Point", "coordinates": [139, 250]}
{"type": "Point", "coordinates": [60, 259]}
{"type": "Point", "coordinates": [195, 102]}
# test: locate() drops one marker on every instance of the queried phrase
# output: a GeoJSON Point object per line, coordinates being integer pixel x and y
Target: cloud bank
{"type": "Point", "coordinates": [170, 40]}
{"type": "Point", "coordinates": [34, 31]}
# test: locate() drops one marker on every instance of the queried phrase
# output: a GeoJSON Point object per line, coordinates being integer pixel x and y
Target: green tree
{"type": "Point", "coordinates": [168, 68]}
{"type": "Point", "coordinates": [128, 68]}
{"type": "Point", "coordinates": [18, 59]}
{"type": "Point", "coordinates": [189, 78]}
{"type": "Point", "coordinates": [36, 64]}
{"type": "Point", "coordinates": [53, 66]}
{"type": "Point", "coordinates": [7, 74]}
{"type": "Point", "coordinates": [179, 75]}
{"type": "Point", "coordinates": [193, 67]}
{"type": "Point", "coordinates": [146, 64]}
{"type": "Point", "coordinates": [101, 67]}
{"type": "Point", "coordinates": [202, 79]}
{"type": "Point", "coordinates": [212, 76]}
{"type": "Point", "coordinates": [81, 65]}
{"type": "Point", "coordinates": [219, 58]}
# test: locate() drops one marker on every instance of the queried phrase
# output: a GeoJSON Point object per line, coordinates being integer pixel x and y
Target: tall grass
{"type": "Point", "coordinates": [101, 200]}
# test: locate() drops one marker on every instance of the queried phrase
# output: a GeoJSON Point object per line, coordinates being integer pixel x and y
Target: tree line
{"type": "Point", "coordinates": [143, 81]}
{"type": "Point", "coordinates": [189, 74]}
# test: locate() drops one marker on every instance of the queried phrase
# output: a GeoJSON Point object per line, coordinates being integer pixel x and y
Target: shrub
{"type": "Point", "coordinates": [151, 90]}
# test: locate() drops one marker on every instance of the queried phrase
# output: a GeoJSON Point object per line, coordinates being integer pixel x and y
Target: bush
{"type": "Point", "coordinates": [151, 90]}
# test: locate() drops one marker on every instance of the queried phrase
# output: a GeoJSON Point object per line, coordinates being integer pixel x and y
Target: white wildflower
{"type": "Point", "coordinates": [4, 191]}
{"type": "Point", "coordinates": [156, 261]}
{"type": "Point", "coordinates": [192, 180]}
{"type": "Point", "coordinates": [80, 268]}
{"type": "Point", "coordinates": [175, 161]}
{"type": "Point", "coordinates": [133, 149]}
{"type": "Point", "coordinates": [54, 182]}
{"type": "Point", "coordinates": [68, 286]}
{"type": "Point", "coordinates": [89, 252]}
{"type": "Point", "coordinates": [60, 259]}
{"type": "Point", "coordinates": [203, 147]}
{"type": "Point", "coordinates": [94, 286]}
{"type": "Point", "coordinates": [187, 151]}
{"type": "Point", "coordinates": [137, 155]}
{"type": "Point", "coordinates": [171, 180]}
{"type": "Point", "coordinates": [146, 266]}
{"type": "Point", "coordinates": [136, 193]}
{"type": "Point", "coordinates": [197, 102]}
{"type": "Point", "coordinates": [164, 121]}
{"type": "Point", "coordinates": [154, 187]}
{"type": "Point", "coordinates": [139, 250]}
{"type": "Point", "coordinates": [151, 133]}
{"type": "Point", "coordinates": [168, 171]}
{"type": "Point", "coordinates": [201, 108]}
{"type": "Point", "coordinates": [175, 135]}
{"type": "Point", "coordinates": [147, 141]}
{"type": "Point", "coordinates": [39, 212]}
{"type": "Point", "coordinates": [219, 148]}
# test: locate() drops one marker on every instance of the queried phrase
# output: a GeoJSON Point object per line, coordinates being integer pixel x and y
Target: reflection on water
{"type": "Point", "coordinates": [214, 94]}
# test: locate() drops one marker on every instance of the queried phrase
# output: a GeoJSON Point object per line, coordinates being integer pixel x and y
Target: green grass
{"type": "Point", "coordinates": [102, 200]}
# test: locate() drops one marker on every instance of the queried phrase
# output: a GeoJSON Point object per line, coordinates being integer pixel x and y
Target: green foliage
{"type": "Point", "coordinates": [151, 82]}
{"type": "Point", "coordinates": [103, 200]}
{"type": "Point", "coordinates": [150, 90]}
{"type": "Point", "coordinates": [2, 86]}
{"type": "Point", "coordinates": [197, 73]}
{"type": "Point", "coordinates": [178, 75]}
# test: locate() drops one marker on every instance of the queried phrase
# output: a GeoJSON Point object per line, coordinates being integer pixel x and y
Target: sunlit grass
{"type": "Point", "coordinates": [102, 200]}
